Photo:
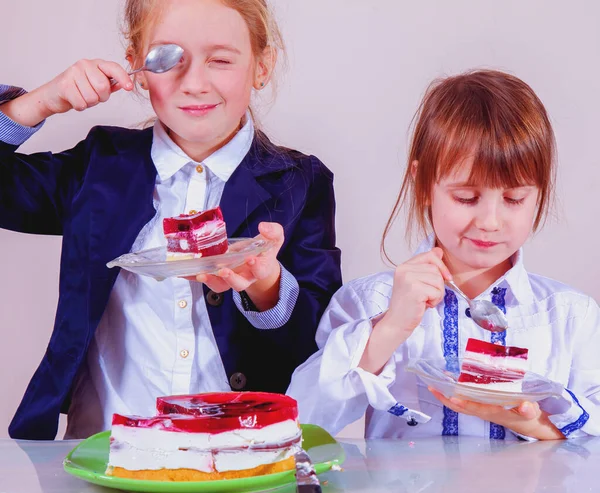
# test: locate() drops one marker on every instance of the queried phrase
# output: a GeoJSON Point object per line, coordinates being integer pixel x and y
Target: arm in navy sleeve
{"type": "Point", "coordinates": [33, 188]}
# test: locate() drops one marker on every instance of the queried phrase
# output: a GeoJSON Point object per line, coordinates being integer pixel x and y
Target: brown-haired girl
{"type": "Point", "coordinates": [122, 340]}
{"type": "Point", "coordinates": [479, 183]}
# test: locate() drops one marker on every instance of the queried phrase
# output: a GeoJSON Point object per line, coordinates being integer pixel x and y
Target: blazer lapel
{"type": "Point", "coordinates": [241, 196]}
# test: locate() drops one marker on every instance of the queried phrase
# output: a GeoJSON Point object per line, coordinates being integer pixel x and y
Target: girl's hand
{"type": "Point", "coordinates": [527, 419]}
{"type": "Point", "coordinates": [83, 86]}
{"type": "Point", "coordinates": [418, 285]}
{"type": "Point", "coordinates": [259, 276]}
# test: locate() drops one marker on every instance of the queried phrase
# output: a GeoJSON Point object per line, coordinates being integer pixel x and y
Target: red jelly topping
{"type": "Point", "coordinates": [216, 412]}
{"type": "Point", "coordinates": [480, 373]}
{"type": "Point", "coordinates": [484, 379]}
{"type": "Point", "coordinates": [483, 347]}
{"type": "Point", "coordinates": [204, 232]}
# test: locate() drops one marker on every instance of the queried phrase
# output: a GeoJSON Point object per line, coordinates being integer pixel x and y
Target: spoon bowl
{"type": "Point", "coordinates": [160, 59]}
{"type": "Point", "coordinates": [484, 313]}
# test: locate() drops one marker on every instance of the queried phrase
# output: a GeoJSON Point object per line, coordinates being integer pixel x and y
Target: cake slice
{"type": "Point", "coordinates": [207, 437]}
{"type": "Point", "coordinates": [195, 235]}
{"type": "Point", "coordinates": [493, 366]}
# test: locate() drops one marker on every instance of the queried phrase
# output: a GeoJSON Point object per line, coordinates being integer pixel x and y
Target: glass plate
{"type": "Point", "coordinates": [153, 262]}
{"type": "Point", "coordinates": [442, 375]}
{"type": "Point", "coordinates": [88, 461]}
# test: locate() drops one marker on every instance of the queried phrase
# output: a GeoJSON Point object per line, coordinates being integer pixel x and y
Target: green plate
{"type": "Point", "coordinates": [88, 461]}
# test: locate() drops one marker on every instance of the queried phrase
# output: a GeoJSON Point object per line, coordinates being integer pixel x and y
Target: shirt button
{"type": "Point", "coordinates": [237, 381]}
{"type": "Point", "coordinates": [214, 299]}
{"type": "Point", "coordinates": [182, 304]}
{"type": "Point", "coordinates": [184, 353]}
{"type": "Point", "coordinates": [199, 168]}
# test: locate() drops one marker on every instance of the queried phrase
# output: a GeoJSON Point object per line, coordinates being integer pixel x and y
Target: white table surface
{"type": "Point", "coordinates": [396, 466]}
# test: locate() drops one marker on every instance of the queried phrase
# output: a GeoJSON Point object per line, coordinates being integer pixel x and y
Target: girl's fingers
{"type": "Point", "coordinates": [272, 231]}
{"type": "Point", "coordinates": [115, 71]}
{"type": "Point", "coordinates": [99, 83]}
{"type": "Point", "coordinates": [528, 410]}
{"type": "Point", "coordinates": [434, 258]}
{"type": "Point", "coordinates": [213, 282]}
{"type": "Point", "coordinates": [225, 280]}
{"type": "Point", "coordinates": [431, 295]}
{"type": "Point", "coordinates": [262, 266]}
{"type": "Point", "coordinates": [75, 98]}
{"type": "Point", "coordinates": [234, 280]}
{"type": "Point", "coordinates": [90, 96]}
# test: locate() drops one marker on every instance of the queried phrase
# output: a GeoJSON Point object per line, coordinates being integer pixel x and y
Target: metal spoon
{"type": "Point", "coordinates": [484, 313]}
{"type": "Point", "coordinates": [159, 59]}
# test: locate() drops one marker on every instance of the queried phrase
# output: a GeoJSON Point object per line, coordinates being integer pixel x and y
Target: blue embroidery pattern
{"type": "Point", "coordinates": [450, 333]}
{"type": "Point", "coordinates": [397, 409]}
{"type": "Point", "coordinates": [498, 295]}
{"type": "Point", "coordinates": [450, 422]}
{"type": "Point", "coordinates": [498, 432]}
{"type": "Point", "coordinates": [577, 425]}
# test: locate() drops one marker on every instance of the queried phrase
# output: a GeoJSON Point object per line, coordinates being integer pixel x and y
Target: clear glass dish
{"type": "Point", "coordinates": [442, 375]}
{"type": "Point", "coordinates": [153, 262]}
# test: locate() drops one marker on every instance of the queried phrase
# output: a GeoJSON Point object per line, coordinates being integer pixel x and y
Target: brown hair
{"type": "Point", "coordinates": [490, 116]}
{"type": "Point", "coordinates": [141, 15]}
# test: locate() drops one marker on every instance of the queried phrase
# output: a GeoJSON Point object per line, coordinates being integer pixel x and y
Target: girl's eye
{"type": "Point", "coordinates": [512, 201]}
{"type": "Point", "coordinates": [466, 200]}
{"type": "Point", "coordinates": [221, 61]}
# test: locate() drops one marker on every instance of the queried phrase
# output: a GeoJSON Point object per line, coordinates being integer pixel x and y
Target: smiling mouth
{"type": "Point", "coordinates": [483, 244]}
{"type": "Point", "coordinates": [199, 108]}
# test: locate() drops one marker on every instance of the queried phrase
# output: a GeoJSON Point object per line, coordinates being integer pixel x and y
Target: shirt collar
{"type": "Point", "coordinates": [516, 279]}
{"type": "Point", "coordinates": [169, 158]}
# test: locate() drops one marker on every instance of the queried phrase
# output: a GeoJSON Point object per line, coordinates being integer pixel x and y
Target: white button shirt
{"type": "Point", "coordinates": [559, 326]}
{"type": "Point", "coordinates": [155, 338]}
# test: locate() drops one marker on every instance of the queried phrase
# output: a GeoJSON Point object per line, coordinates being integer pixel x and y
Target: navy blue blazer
{"type": "Point", "coordinates": [98, 196]}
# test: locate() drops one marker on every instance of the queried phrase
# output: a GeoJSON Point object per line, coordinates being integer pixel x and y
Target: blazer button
{"type": "Point", "coordinates": [237, 381]}
{"type": "Point", "coordinates": [214, 299]}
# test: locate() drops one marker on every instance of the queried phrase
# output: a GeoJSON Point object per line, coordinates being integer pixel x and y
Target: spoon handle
{"type": "Point", "coordinates": [114, 81]}
{"type": "Point", "coordinates": [457, 289]}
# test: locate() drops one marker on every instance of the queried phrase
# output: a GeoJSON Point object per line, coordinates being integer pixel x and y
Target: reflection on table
{"type": "Point", "coordinates": [445, 464]}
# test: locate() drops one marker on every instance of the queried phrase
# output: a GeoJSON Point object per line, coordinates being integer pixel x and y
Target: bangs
{"type": "Point", "coordinates": [500, 147]}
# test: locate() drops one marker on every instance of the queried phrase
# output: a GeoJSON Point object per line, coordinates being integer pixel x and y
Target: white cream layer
{"type": "Point", "coordinates": [154, 448]}
{"type": "Point", "coordinates": [497, 362]}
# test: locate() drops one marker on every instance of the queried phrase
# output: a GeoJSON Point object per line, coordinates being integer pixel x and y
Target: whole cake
{"type": "Point", "coordinates": [195, 235]}
{"type": "Point", "coordinates": [206, 437]}
{"type": "Point", "coordinates": [493, 366]}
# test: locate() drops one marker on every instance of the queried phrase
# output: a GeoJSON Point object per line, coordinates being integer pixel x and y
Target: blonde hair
{"type": "Point", "coordinates": [491, 115]}
{"type": "Point", "coordinates": [141, 16]}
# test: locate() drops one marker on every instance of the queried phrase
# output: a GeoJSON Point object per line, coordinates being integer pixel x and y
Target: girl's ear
{"type": "Point", "coordinates": [141, 80]}
{"type": "Point", "coordinates": [265, 64]}
{"type": "Point", "coordinates": [134, 63]}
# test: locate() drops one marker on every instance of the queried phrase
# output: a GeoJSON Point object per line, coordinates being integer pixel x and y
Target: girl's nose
{"type": "Point", "coordinates": [488, 218]}
{"type": "Point", "coordinates": [195, 79]}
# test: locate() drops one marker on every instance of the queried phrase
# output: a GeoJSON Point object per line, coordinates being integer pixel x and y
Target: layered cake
{"type": "Point", "coordinates": [195, 235]}
{"type": "Point", "coordinates": [493, 366]}
{"type": "Point", "coordinates": [207, 437]}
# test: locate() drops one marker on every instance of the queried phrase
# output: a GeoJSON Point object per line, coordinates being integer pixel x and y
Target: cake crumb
{"type": "Point", "coordinates": [336, 467]}
{"type": "Point", "coordinates": [411, 444]}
